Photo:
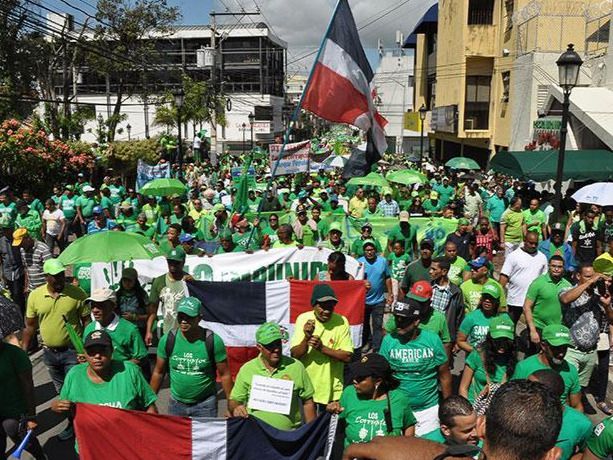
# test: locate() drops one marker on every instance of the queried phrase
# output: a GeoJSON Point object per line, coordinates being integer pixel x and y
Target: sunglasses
{"type": "Point", "coordinates": [273, 345]}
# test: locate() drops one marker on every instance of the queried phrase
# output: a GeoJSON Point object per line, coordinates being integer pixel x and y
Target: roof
{"type": "Point", "coordinates": [541, 165]}
{"type": "Point", "coordinates": [424, 25]}
{"type": "Point", "coordinates": [592, 106]}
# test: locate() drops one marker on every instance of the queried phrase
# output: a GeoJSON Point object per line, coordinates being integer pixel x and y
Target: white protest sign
{"type": "Point", "coordinates": [295, 158]}
{"type": "Point", "coordinates": [271, 395]}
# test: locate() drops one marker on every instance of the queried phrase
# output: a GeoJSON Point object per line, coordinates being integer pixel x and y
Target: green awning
{"type": "Point", "coordinates": [539, 166]}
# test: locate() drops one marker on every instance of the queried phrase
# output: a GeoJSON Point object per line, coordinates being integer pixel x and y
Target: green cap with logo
{"type": "Point", "coordinates": [501, 327]}
{"type": "Point", "coordinates": [189, 306]}
{"type": "Point", "coordinates": [323, 293]}
{"type": "Point", "coordinates": [492, 289]}
{"type": "Point", "coordinates": [556, 335]}
{"type": "Point", "coordinates": [335, 226]}
{"type": "Point", "coordinates": [177, 254]}
{"type": "Point", "coordinates": [53, 267]}
{"type": "Point", "coordinates": [268, 333]}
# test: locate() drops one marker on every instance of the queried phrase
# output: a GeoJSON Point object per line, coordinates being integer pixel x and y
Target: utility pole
{"type": "Point", "coordinates": [213, 14]}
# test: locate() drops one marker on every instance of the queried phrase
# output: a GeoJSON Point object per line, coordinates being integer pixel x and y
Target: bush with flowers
{"type": "Point", "coordinates": [29, 159]}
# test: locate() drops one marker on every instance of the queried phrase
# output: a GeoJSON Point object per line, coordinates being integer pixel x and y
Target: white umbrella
{"type": "Point", "coordinates": [600, 193]}
{"type": "Point", "coordinates": [335, 161]}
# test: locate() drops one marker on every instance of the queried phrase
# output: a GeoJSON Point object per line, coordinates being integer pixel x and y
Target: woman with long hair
{"type": "Point", "coordinates": [336, 269]}
{"type": "Point", "coordinates": [373, 406]}
{"type": "Point", "coordinates": [491, 364]}
{"type": "Point", "coordinates": [132, 299]}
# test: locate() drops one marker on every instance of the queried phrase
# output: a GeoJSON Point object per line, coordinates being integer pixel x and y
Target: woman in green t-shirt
{"type": "Point", "coordinates": [372, 406]}
{"type": "Point", "coordinates": [492, 363]}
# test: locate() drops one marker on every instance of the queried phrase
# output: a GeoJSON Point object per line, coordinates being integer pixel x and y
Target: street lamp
{"type": "Point", "coordinates": [244, 125]}
{"type": "Point", "coordinates": [251, 117]}
{"type": "Point", "coordinates": [129, 128]}
{"type": "Point", "coordinates": [179, 99]}
{"type": "Point", "coordinates": [422, 116]}
{"type": "Point", "coordinates": [569, 64]}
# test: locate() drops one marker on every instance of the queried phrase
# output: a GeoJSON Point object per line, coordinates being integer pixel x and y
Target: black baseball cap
{"type": "Point", "coordinates": [426, 243]}
{"type": "Point", "coordinates": [407, 309]}
{"type": "Point", "coordinates": [371, 365]}
{"type": "Point", "coordinates": [98, 338]}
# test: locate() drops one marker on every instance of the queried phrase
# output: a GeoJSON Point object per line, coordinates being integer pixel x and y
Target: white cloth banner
{"type": "Point", "coordinates": [271, 265]}
{"type": "Point", "coordinates": [295, 158]}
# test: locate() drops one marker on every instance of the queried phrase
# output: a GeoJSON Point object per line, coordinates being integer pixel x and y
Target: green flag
{"type": "Point", "coordinates": [74, 337]}
{"type": "Point", "coordinates": [240, 204]}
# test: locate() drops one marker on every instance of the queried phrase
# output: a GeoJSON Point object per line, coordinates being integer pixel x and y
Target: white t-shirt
{"type": "Point", "coordinates": [522, 268]}
{"type": "Point", "coordinates": [196, 143]}
{"type": "Point", "coordinates": [53, 221]}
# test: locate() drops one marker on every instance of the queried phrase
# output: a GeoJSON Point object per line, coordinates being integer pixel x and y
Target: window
{"type": "Point", "coordinates": [480, 12]}
{"type": "Point", "coordinates": [477, 107]}
{"type": "Point", "coordinates": [506, 84]}
{"type": "Point", "coordinates": [509, 6]}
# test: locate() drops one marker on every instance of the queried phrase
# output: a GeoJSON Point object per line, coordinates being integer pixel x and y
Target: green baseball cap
{"type": "Point", "coordinates": [268, 333]}
{"type": "Point", "coordinates": [177, 254]}
{"type": "Point", "coordinates": [189, 306]}
{"type": "Point", "coordinates": [336, 226]}
{"type": "Point", "coordinates": [53, 267]}
{"type": "Point", "coordinates": [463, 221]}
{"type": "Point", "coordinates": [492, 289]}
{"type": "Point", "coordinates": [502, 327]}
{"type": "Point", "coordinates": [218, 207]}
{"type": "Point", "coordinates": [556, 335]}
{"type": "Point", "coordinates": [323, 293]}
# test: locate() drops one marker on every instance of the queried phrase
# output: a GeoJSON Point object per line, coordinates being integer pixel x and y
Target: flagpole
{"type": "Point", "coordinates": [294, 117]}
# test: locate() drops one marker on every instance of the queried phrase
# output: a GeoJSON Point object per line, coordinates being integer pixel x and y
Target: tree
{"type": "Point", "coordinates": [122, 29]}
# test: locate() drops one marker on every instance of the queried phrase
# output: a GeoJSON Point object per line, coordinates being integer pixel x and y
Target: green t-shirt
{"type": "Point", "coordinates": [36, 205]}
{"type": "Point", "coordinates": [544, 292]}
{"type": "Point", "coordinates": [476, 326]}
{"type": "Point", "coordinates": [126, 389]}
{"type": "Point", "coordinates": [396, 234]}
{"type": "Point", "coordinates": [68, 205]}
{"type": "Point", "coordinates": [574, 433]}
{"type": "Point", "coordinates": [106, 203]}
{"type": "Point", "coordinates": [365, 418]}
{"type": "Point", "coordinates": [456, 271]}
{"type": "Point", "coordinates": [398, 265]}
{"type": "Point", "coordinates": [568, 372]}
{"type": "Point", "coordinates": [87, 206]}
{"type": "Point", "coordinates": [127, 341]}
{"type": "Point", "coordinates": [479, 380]}
{"type": "Point", "coordinates": [288, 369]}
{"type": "Point", "coordinates": [13, 361]}
{"type": "Point", "coordinates": [436, 323]}
{"type": "Point", "coordinates": [151, 212]}
{"type": "Point", "coordinates": [514, 220]}
{"type": "Point", "coordinates": [191, 375]}
{"type": "Point", "coordinates": [241, 240]}
{"type": "Point", "coordinates": [471, 293]}
{"type": "Point", "coordinates": [415, 272]}
{"type": "Point", "coordinates": [367, 214]}
{"type": "Point", "coordinates": [431, 207]}
{"type": "Point", "coordinates": [117, 193]}
{"type": "Point", "coordinates": [601, 441]}
{"type": "Point", "coordinates": [415, 364]}
{"type": "Point", "coordinates": [445, 193]}
{"type": "Point", "coordinates": [534, 221]}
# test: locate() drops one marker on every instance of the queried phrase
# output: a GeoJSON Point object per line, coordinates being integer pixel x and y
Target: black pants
{"type": "Point", "coordinates": [600, 377]}
{"type": "Point", "coordinates": [10, 427]}
{"type": "Point", "coordinates": [16, 289]}
{"type": "Point", "coordinates": [514, 312]}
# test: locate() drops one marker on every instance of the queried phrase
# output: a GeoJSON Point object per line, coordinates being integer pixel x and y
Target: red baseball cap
{"type": "Point", "coordinates": [420, 291]}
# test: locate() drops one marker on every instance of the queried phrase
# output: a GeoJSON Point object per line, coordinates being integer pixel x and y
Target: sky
{"type": "Point", "coordinates": [301, 23]}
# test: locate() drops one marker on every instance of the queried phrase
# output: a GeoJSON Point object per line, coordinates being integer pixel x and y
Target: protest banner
{"type": "Point", "coordinates": [236, 173]}
{"type": "Point", "coordinates": [146, 173]}
{"type": "Point", "coordinates": [272, 265]}
{"type": "Point", "coordinates": [295, 158]}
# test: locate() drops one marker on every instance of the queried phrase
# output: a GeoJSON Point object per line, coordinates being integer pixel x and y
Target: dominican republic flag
{"type": "Point", "coordinates": [118, 434]}
{"type": "Point", "coordinates": [234, 310]}
{"type": "Point", "coordinates": [340, 86]}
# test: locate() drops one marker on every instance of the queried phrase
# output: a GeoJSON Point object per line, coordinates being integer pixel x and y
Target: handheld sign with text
{"type": "Point", "coordinates": [271, 395]}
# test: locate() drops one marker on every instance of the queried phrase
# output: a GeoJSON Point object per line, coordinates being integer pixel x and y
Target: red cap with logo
{"type": "Point", "coordinates": [420, 291]}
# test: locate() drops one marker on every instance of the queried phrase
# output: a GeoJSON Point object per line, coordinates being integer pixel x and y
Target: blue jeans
{"type": "Point", "coordinates": [374, 334]}
{"type": "Point", "coordinates": [58, 364]}
{"type": "Point", "coordinates": [206, 408]}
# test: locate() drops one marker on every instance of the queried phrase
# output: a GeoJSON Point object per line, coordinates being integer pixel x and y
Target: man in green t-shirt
{"type": "Point", "coordinates": [553, 347]}
{"type": "Point", "coordinates": [404, 231]}
{"type": "Point", "coordinates": [472, 288]}
{"type": "Point", "coordinates": [419, 362]}
{"type": "Point", "coordinates": [542, 305]}
{"type": "Point", "coordinates": [600, 444]}
{"type": "Point", "coordinates": [458, 423]}
{"type": "Point", "coordinates": [535, 220]}
{"type": "Point", "coordinates": [357, 247]}
{"type": "Point", "coordinates": [127, 341]}
{"type": "Point", "coordinates": [186, 352]}
{"type": "Point", "coordinates": [419, 269]}
{"type": "Point", "coordinates": [268, 365]}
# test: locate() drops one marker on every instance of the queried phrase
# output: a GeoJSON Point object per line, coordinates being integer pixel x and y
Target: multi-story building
{"type": "Point", "coordinates": [250, 71]}
{"type": "Point", "coordinates": [484, 68]}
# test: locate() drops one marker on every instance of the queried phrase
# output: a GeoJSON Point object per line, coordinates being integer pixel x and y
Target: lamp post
{"type": "Point", "coordinates": [244, 125]}
{"type": "Point", "coordinates": [569, 64]}
{"type": "Point", "coordinates": [251, 122]}
{"type": "Point", "coordinates": [129, 128]}
{"type": "Point", "coordinates": [422, 116]}
{"type": "Point", "coordinates": [179, 98]}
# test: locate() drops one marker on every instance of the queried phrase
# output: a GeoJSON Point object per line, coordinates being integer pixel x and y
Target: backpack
{"type": "Point", "coordinates": [208, 337]}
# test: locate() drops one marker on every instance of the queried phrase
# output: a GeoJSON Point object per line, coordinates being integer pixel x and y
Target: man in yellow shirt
{"type": "Point", "coordinates": [322, 342]}
{"type": "Point", "coordinates": [358, 204]}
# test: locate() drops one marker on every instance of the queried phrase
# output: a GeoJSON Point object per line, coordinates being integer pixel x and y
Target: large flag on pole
{"type": "Point", "coordinates": [340, 86]}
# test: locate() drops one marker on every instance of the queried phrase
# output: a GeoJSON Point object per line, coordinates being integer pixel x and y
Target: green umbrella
{"type": "Point", "coordinates": [462, 163]}
{"type": "Point", "coordinates": [407, 177]}
{"type": "Point", "coordinates": [109, 246]}
{"type": "Point", "coordinates": [164, 187]}
{"type": "Point", "coordinates": [373, 179]}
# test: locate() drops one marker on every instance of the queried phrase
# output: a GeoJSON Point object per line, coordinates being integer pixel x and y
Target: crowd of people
{"type": "Point", "coordinates": [514, 305]}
